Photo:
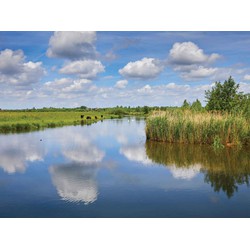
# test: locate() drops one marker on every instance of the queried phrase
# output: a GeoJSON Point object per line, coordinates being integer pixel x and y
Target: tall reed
{"type": "Point", "coordinates": [186, 126]}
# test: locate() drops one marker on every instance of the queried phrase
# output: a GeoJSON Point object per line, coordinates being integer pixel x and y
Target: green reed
{"type": "Point", "coordinates": [190, 127]}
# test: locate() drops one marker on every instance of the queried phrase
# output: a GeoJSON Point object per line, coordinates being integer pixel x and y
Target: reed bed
{"type": "Point", "coordinates": [190, 127]}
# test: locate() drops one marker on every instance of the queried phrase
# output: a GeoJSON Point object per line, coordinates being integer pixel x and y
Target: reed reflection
{"type": "Point", "coordinates": [224, 170]}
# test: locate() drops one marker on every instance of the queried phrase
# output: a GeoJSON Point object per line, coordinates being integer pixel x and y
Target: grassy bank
{"type": "Point", "coordinates": [191, 127]}
{"type": "Point", "coordinates": [20, 121]}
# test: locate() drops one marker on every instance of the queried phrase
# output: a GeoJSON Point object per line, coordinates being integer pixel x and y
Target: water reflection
{"type": "Point", "coordinates": [135, 153]}
{"type": "Point", "coordinates": [224, 170]}
{"type": "Point", "coordinates": [75, 182]}
{"type": "Point", "coordinates": [19, 149]}
{"type": "Point", "coordinates": [80, 147]}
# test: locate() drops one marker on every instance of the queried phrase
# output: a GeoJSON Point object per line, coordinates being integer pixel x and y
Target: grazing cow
{"type": "Point", "coordinates": [88, 117]}
{"type": "Point", "coordinates": [82, 116]}
{"type": "Point", "coordinates": [101, 116]}
{"type": "Point", "coordinates": [95, 117]}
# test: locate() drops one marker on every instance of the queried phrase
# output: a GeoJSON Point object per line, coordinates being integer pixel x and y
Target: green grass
{"type": "Point", "coordinates": [190, 127]}
{"type": "Point", "coordinates": [20, 121]}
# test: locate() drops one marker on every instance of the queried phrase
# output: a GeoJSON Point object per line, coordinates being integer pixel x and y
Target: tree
{"type": "Point", "coordinates": [224, 97]}
{"type": "Point", "coordinates": [185, 104]}
{"type": "Point", "coordinates": [196, 105]}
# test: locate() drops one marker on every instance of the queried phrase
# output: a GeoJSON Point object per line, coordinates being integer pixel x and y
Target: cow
{"type": "Point", "coordinates": [82, 116]}
{"type": "Point", "coordinates": [88, 117]}
{"type": "Point", "coordinates": [101, 116]}
{"type": "Point", "coordinates": [95, 117]}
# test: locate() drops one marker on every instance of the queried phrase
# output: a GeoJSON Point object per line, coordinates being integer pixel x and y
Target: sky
{"type": "Point", "coordinates": [106, 69]}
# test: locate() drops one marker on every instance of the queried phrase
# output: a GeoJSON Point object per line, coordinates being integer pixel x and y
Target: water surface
{"type": "Point", "coordinates": [108, 169]}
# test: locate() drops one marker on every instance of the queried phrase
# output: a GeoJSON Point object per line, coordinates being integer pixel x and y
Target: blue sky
{"type": "Point", "coordinates": [100, 69]}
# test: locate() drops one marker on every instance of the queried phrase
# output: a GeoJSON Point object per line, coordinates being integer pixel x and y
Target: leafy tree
{"type": "Point", "coordinates": [185, 104]}
{"type": "Point", "coordinates": [196, 105]}
{"type": "Point", "coordinates": [146, 109]}
{"type": "Point", "coordinates": [224, 97]}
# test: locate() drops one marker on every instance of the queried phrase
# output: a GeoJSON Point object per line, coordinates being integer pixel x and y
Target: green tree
{"type": "Point", "coordinates": [185, 104]}
{"type": "Point", "coordinates": [196, 105]}
{"type": "Point", "coordinates": [224, 97]}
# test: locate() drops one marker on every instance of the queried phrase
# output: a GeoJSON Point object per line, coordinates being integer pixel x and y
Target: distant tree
{"type": "Point", "coordinates": [146, 109]}
{"type": "Point", "coordinates": [185, 104]}
{"type": "Point", "coordinates": [224, 97]}
{"type": "Point", "coordinates": [196, 105]}
{"type": "Point", "coordinates": [83, 107]}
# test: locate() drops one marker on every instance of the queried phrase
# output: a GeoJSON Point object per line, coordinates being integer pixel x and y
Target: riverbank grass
{"type": "Point", "coordinates": [21, 121]}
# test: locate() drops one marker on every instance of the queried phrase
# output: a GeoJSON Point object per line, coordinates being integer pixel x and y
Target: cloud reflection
{"type": "Point", "coordinates": [75, 182]}
{"type": "Point", "coordinates": [135, 153]}
{"type": "Point", "coordinates": [78, 147]}
{"type": "Point", "coordinates": [185, 173]}
{"type": "Point", "coordinates": [19, 149]}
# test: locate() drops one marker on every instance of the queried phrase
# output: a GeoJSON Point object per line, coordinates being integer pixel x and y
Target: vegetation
{"type": "Point", "coordinates": [225, 121]}
{"type": "Point", "coordinates": [35, 119]}
{"type": "Point", "coordinates": [19, 121]}
{"type": "Point", "coordinates": [226, 97]}
{"type": "Point", "coordinates": [187, 126]}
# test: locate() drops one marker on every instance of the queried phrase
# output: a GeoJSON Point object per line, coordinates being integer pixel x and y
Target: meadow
{"type": "Point", "coordinates": [21, 121]}
{"type": "Point", "coordinates": [192, 127]}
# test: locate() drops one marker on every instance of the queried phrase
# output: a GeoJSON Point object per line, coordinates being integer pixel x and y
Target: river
{"type": "Point", "coordinates": [107, 169]}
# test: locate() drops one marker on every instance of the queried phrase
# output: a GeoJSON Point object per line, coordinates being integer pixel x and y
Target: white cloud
{"type": "Point", "coordinates": [83, 68]}
{"type": "Point", "coordinates": [146, 68]}
{"type": "Point", "coordinates": [199, 72]}
{"type": "Point", "coordinates": [66, 87]}
{"type": "Point", "coordinates": [72, 45]}
{"type": "Point", "coordinates": [189, 53]}
{"type": "Point", "coordinates": [245, 87]}
{"type": "Point", "coordinates": [121, 84]}
{"type": "Point", "coordinates": [247, 77]}
{"type": "Point", "coordinates": [145, 89]}
{"type": "Point", "coordinates": [14, 70]}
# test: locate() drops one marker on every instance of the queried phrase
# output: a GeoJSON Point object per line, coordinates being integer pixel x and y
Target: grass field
{"type": "Point", "coordinates": [189, 127]}
{"type": "Point", "coordinates": [20, 121]}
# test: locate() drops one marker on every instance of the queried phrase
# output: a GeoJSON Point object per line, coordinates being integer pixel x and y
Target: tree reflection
{"type": "Point", "coordinates": [224, 170]}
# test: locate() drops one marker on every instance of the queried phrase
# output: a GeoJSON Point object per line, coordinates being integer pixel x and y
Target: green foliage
{"type": "Point", "coordinates": [224, 97]}
{"type": "Point", "coordinates": [196, 106]}
{"type": "Point", "coordinates": [186, 104]}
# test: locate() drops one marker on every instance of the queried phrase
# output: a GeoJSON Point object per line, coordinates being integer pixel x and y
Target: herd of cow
{"type": "Point", "coordinates": [89, 117]}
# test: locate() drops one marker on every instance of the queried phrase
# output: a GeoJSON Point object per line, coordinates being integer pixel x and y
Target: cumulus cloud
{"type": "Point", "coordinates": [121, 84]}
{"type": "Point", "coordinates": [245, 87]}
{"type": "Point", "coordinates": [83, 68]}
{"type": "Point", "coordinates": [66, 87]}
{"type": "Point", "coordinates": [15, 158]}
{"type": "Point", "coordinates": [15, 70]}
{"type": "Point", "coordinates": [199, 72]}
{"type": "Point", "coordinates": [247, 77]}
{"type": "Point", "coordinates": [72, 45]}
{"type": "Point", "coordinates": [146, 68]}
{"type": "Point", "coordinates": [189, 53]}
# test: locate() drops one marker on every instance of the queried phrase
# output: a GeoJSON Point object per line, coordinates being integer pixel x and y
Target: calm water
{"type": "Point", "coordinates": [108, 170]}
